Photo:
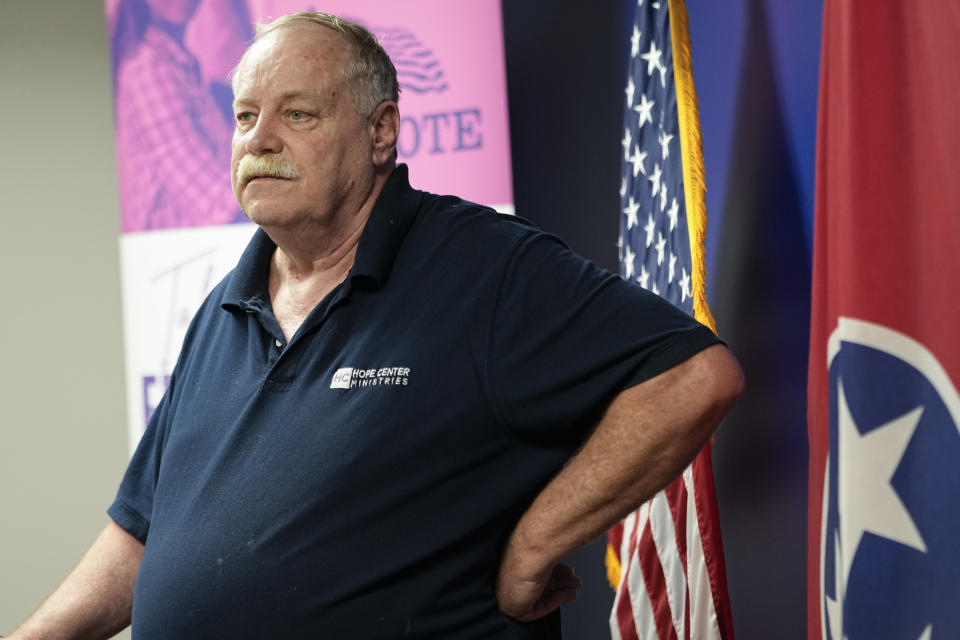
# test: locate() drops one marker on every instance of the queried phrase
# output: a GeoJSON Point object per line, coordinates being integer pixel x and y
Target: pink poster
{"type": "Point", "coordinates": [182, 228]}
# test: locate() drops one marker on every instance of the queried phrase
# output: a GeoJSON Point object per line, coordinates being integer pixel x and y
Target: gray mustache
{"type": "Point", "coordinates": [272, 166]}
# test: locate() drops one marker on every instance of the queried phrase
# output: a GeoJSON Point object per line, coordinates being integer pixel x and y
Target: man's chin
{"type": "Point", "coordinates": [267, 216]}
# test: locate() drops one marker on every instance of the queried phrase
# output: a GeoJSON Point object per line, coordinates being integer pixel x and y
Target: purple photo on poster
{"type": "Point", "coordinates": [172, 108]}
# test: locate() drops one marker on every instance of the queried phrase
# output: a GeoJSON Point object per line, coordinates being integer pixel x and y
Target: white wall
{"type": "Point", "coordinates": [62, 437]}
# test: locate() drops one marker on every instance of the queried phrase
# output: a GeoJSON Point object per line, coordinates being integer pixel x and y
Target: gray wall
{"type": "Point", "coordinates": [63, 443]}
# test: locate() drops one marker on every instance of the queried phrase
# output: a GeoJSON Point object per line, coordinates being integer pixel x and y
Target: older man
{"type": "Point", "coordinates": [400, 411]}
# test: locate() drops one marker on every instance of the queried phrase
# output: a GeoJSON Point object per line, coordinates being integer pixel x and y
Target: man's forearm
{"type": "Point", "coordinates": [648, 435]}
{"type": "Point", "coordinates": [96, 599]}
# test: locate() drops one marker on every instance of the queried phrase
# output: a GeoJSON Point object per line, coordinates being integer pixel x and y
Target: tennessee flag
{"type": "Point", "coordinates": [884, 413]}
{"type": "Point", "coordinates": [666, 559]}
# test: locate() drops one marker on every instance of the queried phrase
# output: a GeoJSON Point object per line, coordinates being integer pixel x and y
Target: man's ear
{"type": "Point", "coordinates": [385, 124]}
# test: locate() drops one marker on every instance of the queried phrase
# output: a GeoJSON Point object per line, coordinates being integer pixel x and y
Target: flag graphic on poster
{"type": "Point", "coordinates": [665, 560]}
{"type": "Point", "coordinates": [884, 412]}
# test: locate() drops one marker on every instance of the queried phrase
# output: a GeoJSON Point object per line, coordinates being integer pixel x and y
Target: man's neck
{"type": "Point", "coordinates": [312, 258]}
{"type": "Point", "coordinates": [311, 251]}
{"type": "Point", "coordinates": [307, 265]}
{"type": "Point", "coordinates": [313, 246]}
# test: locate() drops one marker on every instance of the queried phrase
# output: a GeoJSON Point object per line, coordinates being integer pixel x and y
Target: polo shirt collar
{"type": "Point", "coordinates": [394, 210]}
{"type": "Point", "coordinates": [392, 214]}
{"type": "Point", "coordinates": [248, 285]}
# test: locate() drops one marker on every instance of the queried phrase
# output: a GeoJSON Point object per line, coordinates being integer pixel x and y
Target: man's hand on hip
{"type": "Point", "coordinates": [529, 595]}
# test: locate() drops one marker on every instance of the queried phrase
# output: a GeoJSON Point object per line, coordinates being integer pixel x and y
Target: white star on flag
{"type": "Point", "coordinates": [684, 285]}
{"type": "Point", "coordinates": [644, 276]}
{"type": "Point", "coordinates": [653, 60]}
{"type": "Point", "coordinates": [644, 109]}
{"type": "Point", "coordinates": [672, 213]}
{"type": "Point", "coordinates": [665, 139]}
{"type": "Point", "coordinates": [649, 229]}
{"type": "Point", "coordinates": [867, 498]}
{"type": "Point", "coordinates": [655, 179]}
{"type": "Point", "coordinates": [637, 160]}
{"type": "Point", "coordinates": [631, 211]}
{"type": "Point", "coordinates": [628, 257]}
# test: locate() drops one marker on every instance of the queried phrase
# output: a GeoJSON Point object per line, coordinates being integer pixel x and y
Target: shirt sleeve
{"type": "Point", "coordinates": [566, 336]}
{"type": "Point", "coordinates": [132, 507]}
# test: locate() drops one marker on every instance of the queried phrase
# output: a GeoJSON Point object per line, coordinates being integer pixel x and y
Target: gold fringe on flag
{"type": "Point", "coordinates": [694, 185]}
{"type": "Point", "coordinates": [612, 561]}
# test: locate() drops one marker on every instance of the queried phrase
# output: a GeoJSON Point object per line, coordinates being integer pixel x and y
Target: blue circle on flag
{"type": "Point", "coordinates": [890, 558]}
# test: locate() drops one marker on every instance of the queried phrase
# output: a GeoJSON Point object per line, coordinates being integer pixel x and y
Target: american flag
{"type": "Point", "coordinates": [666, 559]}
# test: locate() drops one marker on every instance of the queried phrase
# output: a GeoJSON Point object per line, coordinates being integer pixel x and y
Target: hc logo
{"type": "Point", "coordinates": [889, 561]}
{"type": "Point", "coordinates": [341, 379]}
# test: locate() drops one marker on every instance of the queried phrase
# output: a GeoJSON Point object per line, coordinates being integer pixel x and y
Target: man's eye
{"type": "Point", "coordinates": [246, 116]}
{"type": "Point", "coordinates": [297, 115]}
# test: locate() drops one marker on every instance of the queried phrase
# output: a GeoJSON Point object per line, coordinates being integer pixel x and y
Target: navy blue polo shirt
{"type": "Point", "coordinates": [359, 481]}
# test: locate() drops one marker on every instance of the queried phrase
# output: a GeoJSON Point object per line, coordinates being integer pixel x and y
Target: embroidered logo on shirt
{"type": "Point", "coordinates": [351, 377]}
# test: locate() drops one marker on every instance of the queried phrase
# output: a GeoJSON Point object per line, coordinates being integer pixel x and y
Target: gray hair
{"type": "Point", "coordinates": [368, 71]}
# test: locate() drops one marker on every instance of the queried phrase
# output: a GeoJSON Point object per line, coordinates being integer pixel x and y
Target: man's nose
{"type": "Point", "coordinates": [263, 137]}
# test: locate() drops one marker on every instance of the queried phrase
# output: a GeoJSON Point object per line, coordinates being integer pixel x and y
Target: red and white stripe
{"type": "Point", "coordinates": [672, 578]}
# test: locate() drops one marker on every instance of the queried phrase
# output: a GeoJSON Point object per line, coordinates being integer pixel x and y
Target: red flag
{"type": "Point", "coordinates": [884, 500]}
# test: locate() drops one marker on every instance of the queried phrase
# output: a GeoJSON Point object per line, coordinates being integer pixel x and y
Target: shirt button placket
{"type": "Point", "coordinates": [275, 353]}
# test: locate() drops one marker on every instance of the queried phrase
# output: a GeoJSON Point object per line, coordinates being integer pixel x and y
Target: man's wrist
{"type": "Point", "coordinates": [528, 554]}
